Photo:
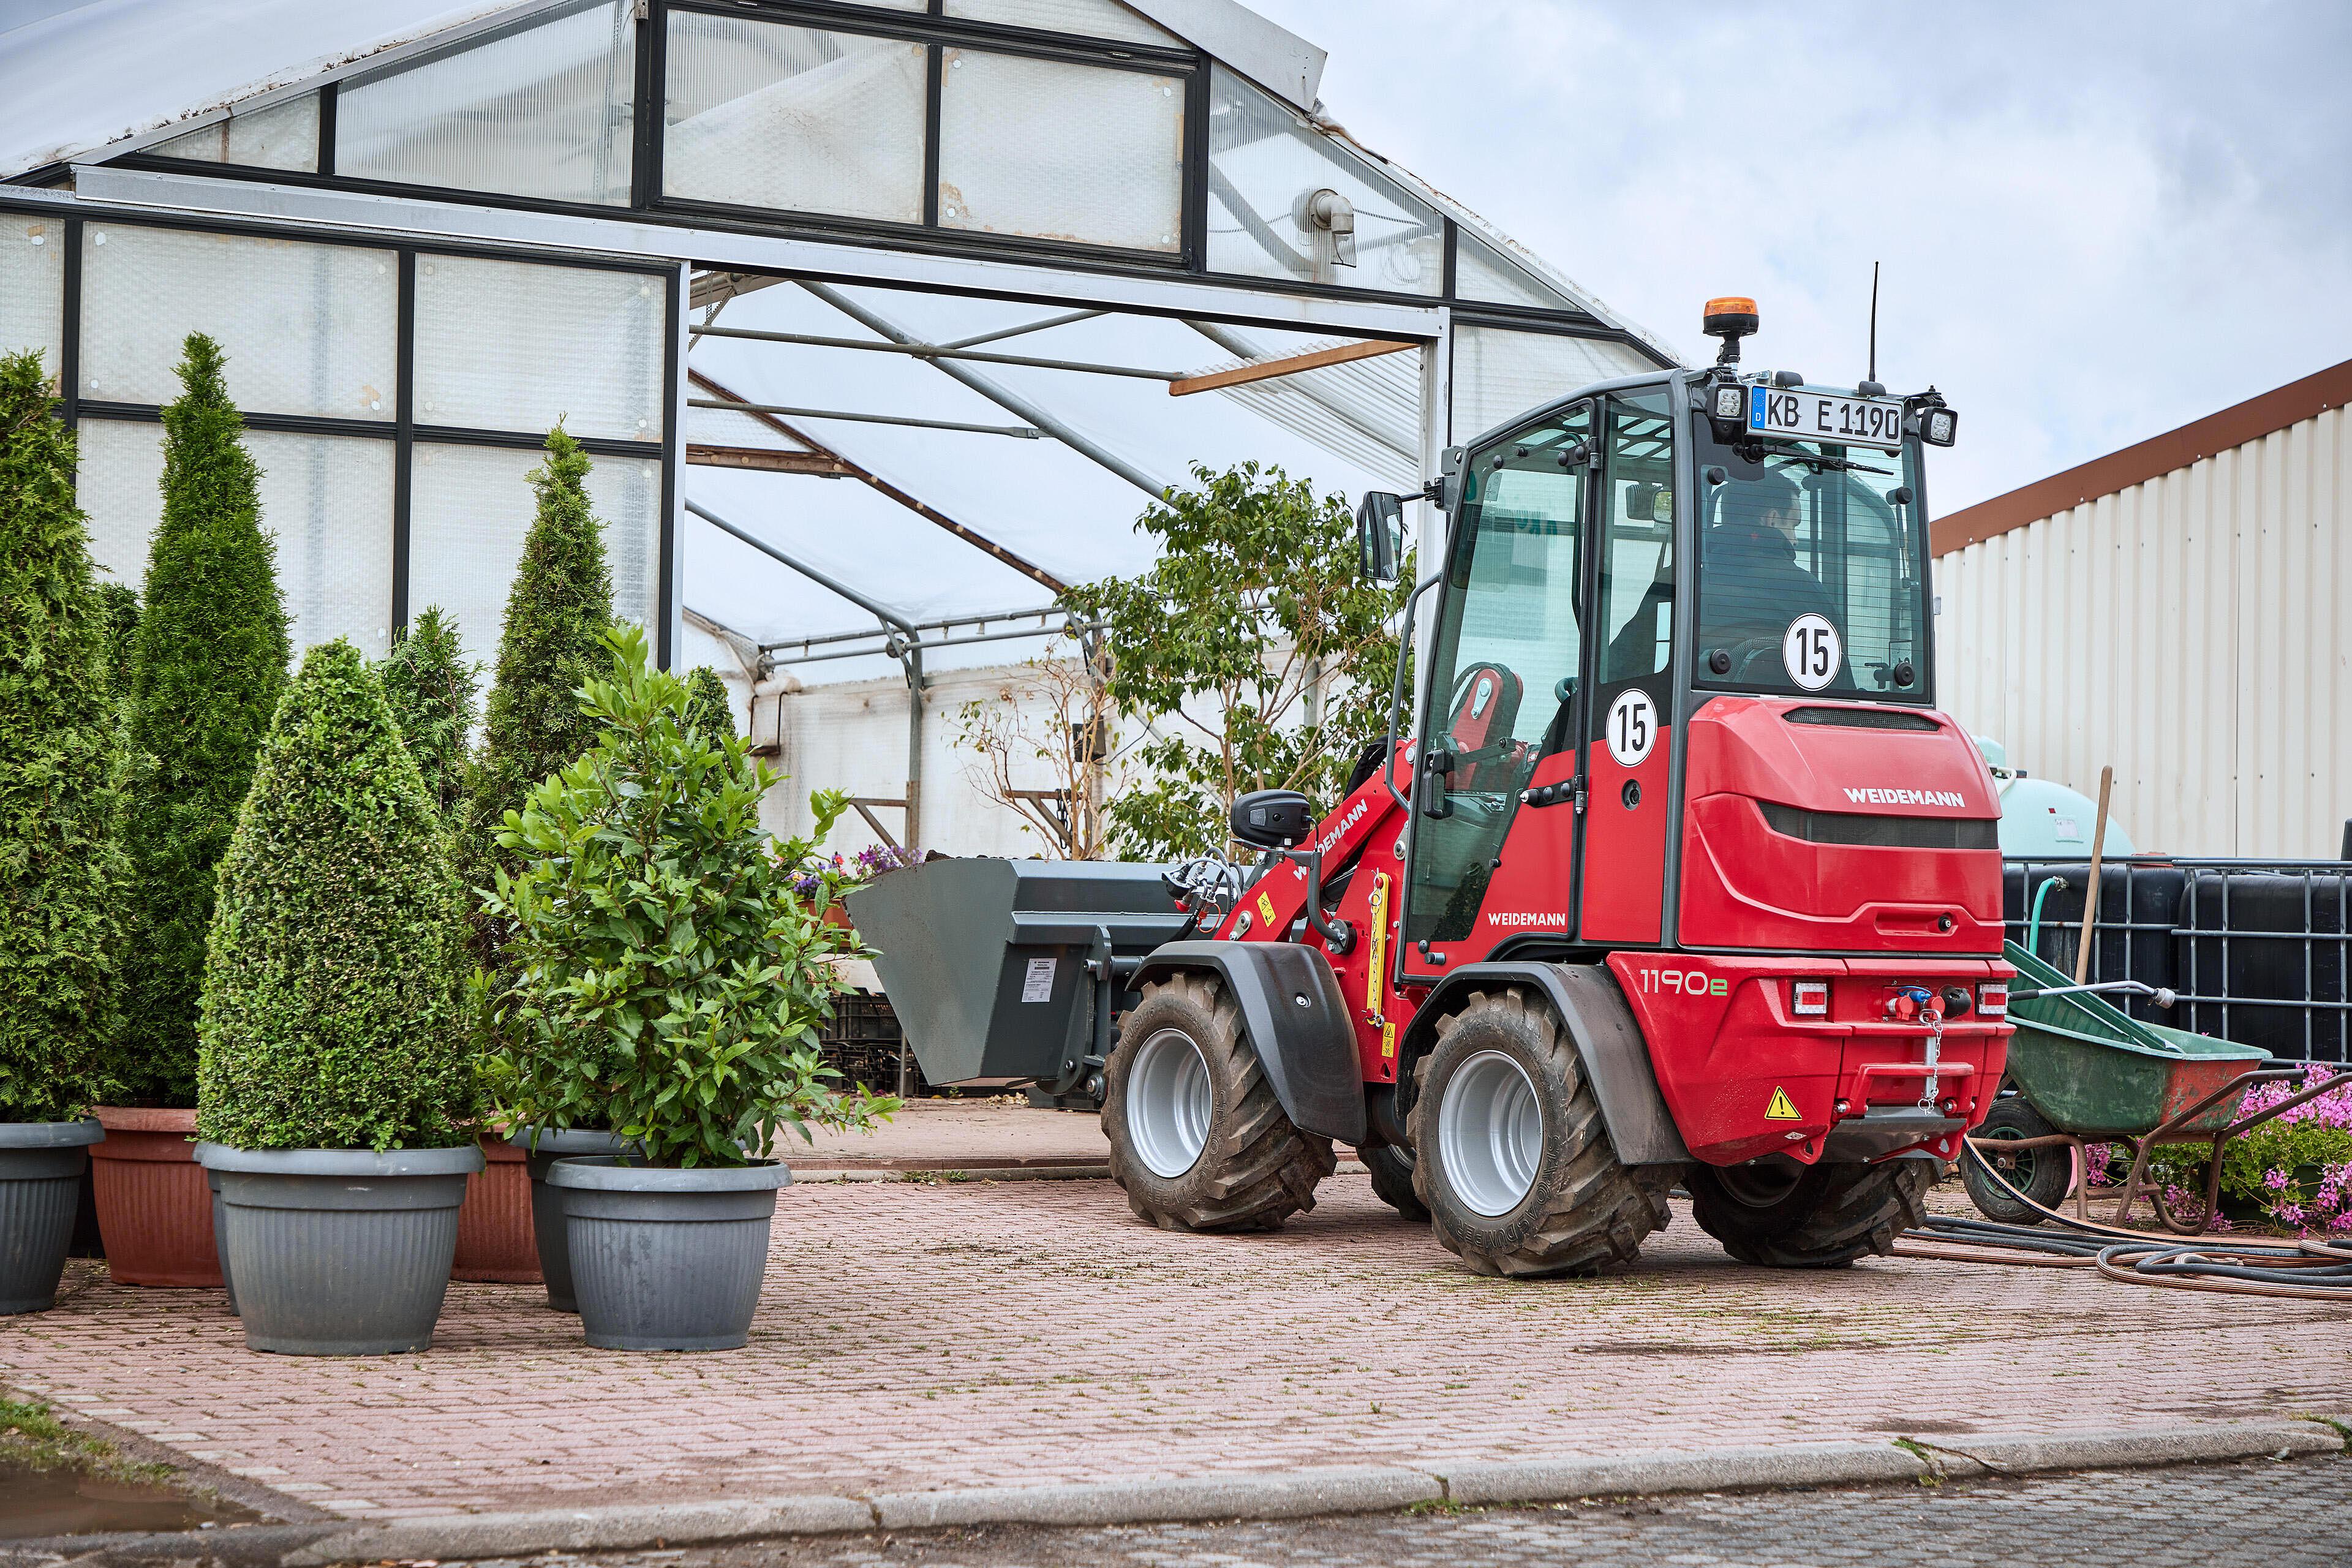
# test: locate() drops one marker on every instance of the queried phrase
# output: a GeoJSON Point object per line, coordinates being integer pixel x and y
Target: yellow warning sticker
{"type": "Point", "coordinates": [1388, 1042]}
{"type": "Point", "coordinates": [1782, 1108]}
{"type": "Point", "coordinates": [1265, 909]}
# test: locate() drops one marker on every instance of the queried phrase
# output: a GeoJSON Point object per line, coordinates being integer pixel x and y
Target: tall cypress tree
{"type": "Point", "coordinates": [120, 604]}
{"type": "Point", "coordinates": [61, 862]}
{"type": "Point", "coordinates": [430, 684]}
{"type": "Point", "coordinates": [708, 707]}
{"type": "Point", "coordinates": [207, 664]}
{"type": "Point", "coordinates": [557, 614]}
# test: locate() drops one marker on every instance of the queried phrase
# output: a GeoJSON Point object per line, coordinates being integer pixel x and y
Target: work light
{"type": "Point", "coordinates": [1730, 402]}
{"type": "Point", "coordinates": [1938, 427]}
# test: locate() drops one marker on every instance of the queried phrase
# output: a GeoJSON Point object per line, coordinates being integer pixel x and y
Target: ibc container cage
{"type": "Point", "coordinates": [863, 1043]}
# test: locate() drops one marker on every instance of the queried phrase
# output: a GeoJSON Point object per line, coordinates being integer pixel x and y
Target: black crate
{"type": "Point", "coordinates": [2139, 911]}
{"type": "Point", "coordinates": [863, 1043]}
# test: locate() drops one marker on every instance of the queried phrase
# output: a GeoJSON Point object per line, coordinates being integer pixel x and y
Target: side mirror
{"type": "Point", "coordinates": [1379, 529]}
{"type": "Point", "coordinates": [1273, 819]}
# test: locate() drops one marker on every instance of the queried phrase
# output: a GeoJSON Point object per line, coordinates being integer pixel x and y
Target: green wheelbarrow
{"type": "Point", "coordinates": [2087, 1073]}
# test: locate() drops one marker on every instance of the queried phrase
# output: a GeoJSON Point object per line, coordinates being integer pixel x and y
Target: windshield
{"type": "Point", "coordinates": [1810, 574]}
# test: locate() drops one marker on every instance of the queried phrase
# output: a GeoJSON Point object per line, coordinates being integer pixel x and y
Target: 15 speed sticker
{"type": "Point", "coordinates": [1632, 727]}
{"type": "Point", "coordinates": [1810, 650]}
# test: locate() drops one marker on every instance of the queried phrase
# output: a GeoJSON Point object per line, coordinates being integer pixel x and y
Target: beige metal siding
{"type": "Point", "coordinates": [2191, 630]}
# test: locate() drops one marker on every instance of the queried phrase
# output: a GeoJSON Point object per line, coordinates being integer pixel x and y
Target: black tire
{"type": "Point", "coordinates": [1583, 1211]}
{"type": "Point", "coordinates": [1809, 1216]}
{"type": "Point", "coordinates": [1392, 1169]}
{"type": "Point", "coordinates": [1255, 1169]}
{"type": "Point", "coordinates": [2046, 1175]}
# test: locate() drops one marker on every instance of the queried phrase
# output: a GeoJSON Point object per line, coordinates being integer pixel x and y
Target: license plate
{"type": "Point", "coordinates": [1819, 417]}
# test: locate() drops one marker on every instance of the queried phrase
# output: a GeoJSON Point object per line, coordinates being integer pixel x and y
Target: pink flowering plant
{"type": "Point", "coordinates": [2294, 1171]}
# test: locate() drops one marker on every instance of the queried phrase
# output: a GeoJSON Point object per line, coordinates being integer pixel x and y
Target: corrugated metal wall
{"type": "Point", "coordinates": [2195, 631]}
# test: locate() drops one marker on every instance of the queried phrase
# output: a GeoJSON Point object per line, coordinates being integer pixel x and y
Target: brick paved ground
{"type": "Point", "coordinates": [998, 1334]}
{"type": "Point", "coordinates": [2257, 1515]}
{"type": "Point", "coordinates": [939, 1131]}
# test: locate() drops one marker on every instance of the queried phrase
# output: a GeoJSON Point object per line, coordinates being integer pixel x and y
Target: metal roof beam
{"type": "Point", "coordinates": [938, 352]}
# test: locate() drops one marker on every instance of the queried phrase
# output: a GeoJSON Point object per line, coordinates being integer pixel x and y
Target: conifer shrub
{"type": "Point", "coordinates": [708, 706]}
{"type": "Point", "coordinates": [208, 663]}
{"type": "Point", "coordinates": [430, 684]}
{"type": "Point", "coordinates": [119, 604]}
{"type": "Point", "coordinates": [331, 1007]}
{"type": "Point", "coordinates": [61, 863]}
{"type": "Point", "coordinates": [557, 613]}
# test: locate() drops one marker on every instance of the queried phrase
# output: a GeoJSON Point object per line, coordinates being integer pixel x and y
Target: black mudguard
{"type": "Point", "coordinates": [1297, 1021]}
{"type": "Point", "coordinates": [1616, 1058]}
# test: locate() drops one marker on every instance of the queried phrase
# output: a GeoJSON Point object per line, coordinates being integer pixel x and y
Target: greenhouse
{"type": "Point", "coordinates": [881, 321]}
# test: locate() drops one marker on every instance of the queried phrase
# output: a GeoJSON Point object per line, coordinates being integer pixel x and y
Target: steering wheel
{"type": "Point", "coordinates": [1745, 654]}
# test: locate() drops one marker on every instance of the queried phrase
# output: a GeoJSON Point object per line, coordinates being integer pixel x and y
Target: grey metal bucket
{"type": "Point", "coordinates": [41, 1165]}
{"type": "Point", "coordinates": [540, 1151]}
{"type": "Point", "coordinates": [220, 1237]}
{"type": "Point", "coordinates": [339, 1251]}
{"type": "Point", "coordinates": [666, 1260]}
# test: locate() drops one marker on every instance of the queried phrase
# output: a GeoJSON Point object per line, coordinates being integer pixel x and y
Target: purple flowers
{"type": "Point", "coordinates": [2294, 1171]}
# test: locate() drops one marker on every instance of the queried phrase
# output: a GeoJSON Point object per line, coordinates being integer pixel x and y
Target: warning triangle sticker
{"type": "Point", "coordinates": [1782, 1108]}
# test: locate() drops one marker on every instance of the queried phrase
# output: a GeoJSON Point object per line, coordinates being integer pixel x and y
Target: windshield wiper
{"type": "Point", "coordinates": [1819, 464]}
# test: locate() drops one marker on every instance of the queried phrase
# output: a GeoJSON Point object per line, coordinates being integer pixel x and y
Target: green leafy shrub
{"type": "Point", "coordinates": [1254, 601]}
{"type": "Point", "coordinates": [61, 863]}
{"type": "Point", "coordinates": [119, 603]}
{"type": "Point", "coordinates": [557, 613]}
{"type": "Point", "coordinates": [663, 979]}
{"type": "Point", "coordinates": [207, 664]}
{"type": "Point", "coordinates": [708, 706]}
{"type": "Point", "coordinates": [331, 1005]}
{"type": "Point", "coordinates": [430, 684]}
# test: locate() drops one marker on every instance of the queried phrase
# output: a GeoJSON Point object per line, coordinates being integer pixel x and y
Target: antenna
{"type": "Point", "coordinates": [1873, 321]}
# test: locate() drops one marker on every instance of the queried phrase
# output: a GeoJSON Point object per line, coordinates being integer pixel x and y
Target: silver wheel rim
{"type": "Point", "coordinates": [1169, 1103]}
{"type": "Point", "coordinates": [1490, 1134]}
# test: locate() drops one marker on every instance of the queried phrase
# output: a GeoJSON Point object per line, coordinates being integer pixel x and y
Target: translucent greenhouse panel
{"type": "Point", "coordinates": [1061, 151]}
{"type": "Point", "coordinates": [308, 329]}
{"type": "Point", "coordinates": [510, 345]}
{"type": "Point", "coordinates": [282, 136]}
{"type": "Point", "coordinates": [326, 499]}
{"type": "Point", "coordinates": [1265, 162]}
{"type": "Point", "coordinates": [793, 118]}
{"type": "Point", "coordinates": [1091, 18]}
{"type": "Point", "coordinates": [1481, 273]}
{"type": "Point", "coordinates": [1499, 373]}
{"type": "Point", "coordinates": [547, 111]}
{"type": "Point", "coordinates": [469, 508]}
{"type": "Point", "coordinates": [32, 288]}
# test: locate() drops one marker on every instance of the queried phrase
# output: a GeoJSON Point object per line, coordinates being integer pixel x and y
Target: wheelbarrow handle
{"type": "Point", "coordinates": [2162, 995]}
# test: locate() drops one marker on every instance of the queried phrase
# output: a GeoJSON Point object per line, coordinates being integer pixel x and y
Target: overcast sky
{"type": "Point", "coordinates": [2097, 221]}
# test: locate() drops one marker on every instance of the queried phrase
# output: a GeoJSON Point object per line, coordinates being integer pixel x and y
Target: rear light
{"type": "Point", "coordinates": [1993, 999]}
{"type": "Point", "coordinates": [1809, 998]}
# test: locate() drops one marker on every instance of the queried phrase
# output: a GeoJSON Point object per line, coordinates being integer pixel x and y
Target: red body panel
{"type": "Point", "coordinates": [1625, 846]}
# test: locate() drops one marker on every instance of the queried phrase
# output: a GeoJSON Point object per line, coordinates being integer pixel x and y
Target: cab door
{"type": "Point", "coordinates": [1630, 717]}
{"type": "Point", "coordinates": [1504, 713]}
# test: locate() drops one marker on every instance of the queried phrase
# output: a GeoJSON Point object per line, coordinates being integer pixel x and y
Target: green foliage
{"type": "Point", "coordinates": [557, 614]}
{"type": "Point", "coordinates": [330, 1007]}
{"type": "Point", "coordinates": [1253, 602]}
{"type": "Point", "coordinates": [119, 603]}
{"type": "Point", "coordinates": [207, 665]}
{"type": "Point", "coordinates": [708, 707]}
{"type": "Point", "coordinates": [33, 1438]}
{"type": "Point", "coordinates": [430, 684]}
{"type": "Point", "coordinates": [61, 863]}
{"type": "Point", "coordinates": [662, 978]}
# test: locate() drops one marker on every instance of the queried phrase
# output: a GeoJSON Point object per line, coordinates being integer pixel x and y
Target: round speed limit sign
{"type": "Point", "coordinates": [1811, 651]}
{"type": "Point", "coordinates": [1632, 727]}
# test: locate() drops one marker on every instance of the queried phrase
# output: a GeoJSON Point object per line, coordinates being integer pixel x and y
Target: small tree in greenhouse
{"type": "Point", "coordinates": [708, 707]}
{"type": "Point", "coordinates": [1252, 648]}
{"type": "Point", "coordinates": [557, 613]}
{"type": "Point", "coordinates": [430, 684]}
{"type": "Point", "coordinates": [331, 1007]}
{"type": "Point", "coordinates": [207, 664]}
{"type": "Point", "coordinates": [61, 864]}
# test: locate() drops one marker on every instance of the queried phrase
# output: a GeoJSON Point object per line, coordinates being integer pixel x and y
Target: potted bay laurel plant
{"type": "Point", "coordinates": [335, 1087]}
{"type": "Point", "coordinates": [663, 979]}
{"type": "Point", "coordinates": [61, 862]}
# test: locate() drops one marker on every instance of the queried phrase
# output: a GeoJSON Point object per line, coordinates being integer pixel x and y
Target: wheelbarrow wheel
{"type": "Point", "coordinates": [1198, 1141]}
{"type": "Point", "coordinates": [1786, 1215]}
{"type": "Point", "coordinates": [2044, 1174]}
{"type": "Point", "coordinates": [1392, 1171]}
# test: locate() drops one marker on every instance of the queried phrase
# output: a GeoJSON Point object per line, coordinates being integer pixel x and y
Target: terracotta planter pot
{"type": "Point", "coordinates": [495, 1243]}
{"type": "Point", "coordinates": [154, 1206]}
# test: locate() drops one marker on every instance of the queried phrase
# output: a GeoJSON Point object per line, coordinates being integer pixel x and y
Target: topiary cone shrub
{"type": "Point", "coordinates": [663, 981]}
{"type": "Point", "coordinates": [708, 706]}
{"type": "Point", "coordinates": [332, 1044]}
{"type": "Point", "coordinates": [430, 684]}
{"type": "Point", "coordinates": [61, 863]}
{"type": "Point", "coordinates": [208, 660]}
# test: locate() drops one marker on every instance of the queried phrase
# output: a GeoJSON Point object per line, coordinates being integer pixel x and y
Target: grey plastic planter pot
{"type": "Point", "coordinates": [220, 1237]}
{"type": "Point", "coordinates": [666, 1260]}
{"type": "Point", "coordinates": [41, 1165]}
{"type": "Point", "coordinates": [339, 1251]}
{"type": "Point", "coordinates": [544, 1148]}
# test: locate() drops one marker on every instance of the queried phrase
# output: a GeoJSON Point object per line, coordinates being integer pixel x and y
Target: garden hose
{"type": "Point", "coordinates": [2308, 1271]}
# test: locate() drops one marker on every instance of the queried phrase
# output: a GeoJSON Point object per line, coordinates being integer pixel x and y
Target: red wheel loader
{"type": "Point", "coordinates": [1684, 881]}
